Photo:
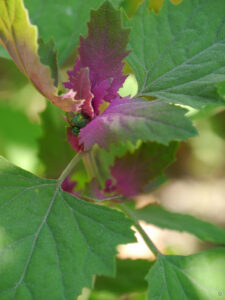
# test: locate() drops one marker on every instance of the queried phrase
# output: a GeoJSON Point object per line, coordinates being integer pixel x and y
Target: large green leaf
{"type": "Point", "coordinates": [51, 244]}
{"type": "Point", "coordinates": [197, 277]}
{"type": "Point", "coordinates": [178, 54]}
{"type": "Point", "coordinates": [71, 16]}
{"type": "Point", "coordinates": [159, 216]}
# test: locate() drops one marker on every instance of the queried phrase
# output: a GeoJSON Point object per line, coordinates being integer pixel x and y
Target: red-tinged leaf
{"type": "Point", "coordinates": [134, 119]}
{"type": "Point", "coordinates": [103, 50]}
{"type": "Point", "coordinates": [134, 170]}
{"type": "Point", "coordinates": [80, 83]}
{"type": "Point", "coordinates": [19, 38]}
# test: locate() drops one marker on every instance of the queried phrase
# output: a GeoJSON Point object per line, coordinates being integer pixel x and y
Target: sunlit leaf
{"type": "Point", "coordinates": [199, 276]}
{"type": "Point", "coordinates": [136, 119]}
{"type": "Point", "coordinates": [178, 54]}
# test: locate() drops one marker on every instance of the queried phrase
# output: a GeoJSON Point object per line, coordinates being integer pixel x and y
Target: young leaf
{"type": "Point", "coordinates": [103, 50]}
{"type": "Point", "coordinates": [19, 38]}
{"type": "Point", "coordinates": [52, 243]}
{"type": "Point", "coordinates": [134, 170]}
{"type": "Point", "coordinates": [178, 54]}
{"type": "Point", "coordinates": [159, 216]}
{"type": "Point", "coordinates": [134, 119]}
{"type": "Point", "coordinates": [199, 276]}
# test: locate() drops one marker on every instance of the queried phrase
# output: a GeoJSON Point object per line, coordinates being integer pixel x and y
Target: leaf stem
{"type": "Point", "coordinates": [142, 232]}
{"type": "Point", "coordinates": [69, 167]}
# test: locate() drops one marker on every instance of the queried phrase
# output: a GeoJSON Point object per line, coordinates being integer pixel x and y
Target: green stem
{"type": "Point", "coordinates": [69, 167]}
{"type": "Point", "coordinates": [144, 235]}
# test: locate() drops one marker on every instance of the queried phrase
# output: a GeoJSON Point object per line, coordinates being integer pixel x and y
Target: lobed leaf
{"type": "Point", "coordinates": [178, 54]}
{"type": "Point", "coordinates": [134, 119]}
{"type": "Point", "coordinates": [134, 170]}
{"type": "Point", "coordinates": [159, 216]}
{"type": "Point", "coordinates": [19, 38]}
{"type": "Point", "coordinates": [52, 243]}
{"type": "Point", "coordinates": [199, 276]}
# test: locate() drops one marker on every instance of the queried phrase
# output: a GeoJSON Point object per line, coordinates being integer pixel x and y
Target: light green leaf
{"type": "Point", "coordinates": [19, 38]}
{"type": "Point", "coordinates": [65, 21]}
{"type": "Point", "coordinates": [197, 277]}
{"type": "Point", "coordinates": [159, 216]}
{"type": "Point", "coordinates": [51, 244]}
{"type": "Point", "coordinates": [4, 53]}
{"type": "Point", "coordinates": [178, 55]}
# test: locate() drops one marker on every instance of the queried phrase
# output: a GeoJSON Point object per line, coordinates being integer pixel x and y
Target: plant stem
{"type": "Point", "coordinates": [69, 167]}
{"type": "Point", "coordinates": [144, 235]}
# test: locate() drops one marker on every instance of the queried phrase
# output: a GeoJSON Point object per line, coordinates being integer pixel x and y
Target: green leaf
{"type": "Point", "coordinates": [178, 54]}
{"type": "Point", "coordinates": [19, 38]}
{"type": "Point", "coordinates": [134, 170]}
{"type": "Point", "coordinates": [4, 53]}
{"type": "Point", "coordinates": [64, 21]}
{"type": "Point", "coordinates": [51, 244]}
{"type": "Point", "coordinates": [196, 277]}
{"type": "Point", "coordinates": [159, 216]}
{"type": "Point", "coordinates": [54, 150]}
{"type": "Point", "coordinates": [129, 277]}
{"type": "Point", "coordinates": [48, 56]}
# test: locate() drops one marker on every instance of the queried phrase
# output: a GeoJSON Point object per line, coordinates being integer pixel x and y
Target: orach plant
{"type": "Point", "coordinates": [55, 236]}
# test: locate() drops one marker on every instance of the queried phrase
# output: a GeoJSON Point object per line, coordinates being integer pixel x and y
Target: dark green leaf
{"type": "Point", "coordinates": [52, 243]}
{"type": "Point", "coordinates": [178, 54]}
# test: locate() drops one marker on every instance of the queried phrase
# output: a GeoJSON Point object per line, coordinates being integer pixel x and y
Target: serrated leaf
{"type": "Point", "coordinates": [195, 277]}
{"type": "Point", "coordinates": [52, 243]}
{"type": "Point", "coordinates": [159, 216]}
{"type": "Point", "coordinates": [178, 54]}
{"type": "Point", "coordinates": [19, 38]}
{"type": "Point", "coordinates": [134, 119]}
{"type": "Point", "coordinates": [134, 170]}
{"type": "Point", "coordinates": [104, 48]}
{"type": "Point", "coordinates": [72, 17]}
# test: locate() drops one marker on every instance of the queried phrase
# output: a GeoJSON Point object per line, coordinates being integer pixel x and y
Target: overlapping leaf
{"type": "Point", "coordinates": [199, 276]}
{"type": "Point", "coordinates": [71, 17]}
{"type": "Point", "coordinates": [159, 216]}
{"type": "Point", "coordinates": [178, 54]}
{"type": "Point", "coordinates": [52, 243]}
{"type": "Point", "coordinates": [134, 119]}
{"type": "Point", "coordinates": [19, 38]}
{"type": "Point", "coordinates": [134, 170]}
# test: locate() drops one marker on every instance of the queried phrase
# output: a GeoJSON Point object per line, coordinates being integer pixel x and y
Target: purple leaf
{"type": "Point", "coordinates": [134, 119]}
{"type": "Point", "coordinates": [103, 50]}
{"type": "Point", "coordinates": [134, 170]}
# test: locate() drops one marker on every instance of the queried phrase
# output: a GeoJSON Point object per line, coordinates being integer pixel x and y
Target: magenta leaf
{"type": "Point", "coordinates": [103, 50]}
{"type": "Point", "coordinates": [134, 119]}
{"type": "Point", "coordinates": [134, 170]}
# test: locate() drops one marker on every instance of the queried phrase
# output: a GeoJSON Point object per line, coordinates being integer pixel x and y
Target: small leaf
{"type": "Point", "coordinates": [52, 243]}
{"type": "Point", "coordinates": [159, 216]}
{"type": "Point", "coordinates": [134, 119]}
{"type": "Point", "coordinates": [199, 276]}
{"type": "Point", "coordinates": [4, 53]}
{"type": "Point", "coordinates": [178, 54]}
{"type": "Point", "coordinates": [134, 170]}
{"type": "Point", "coordinates": [19, 38]}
